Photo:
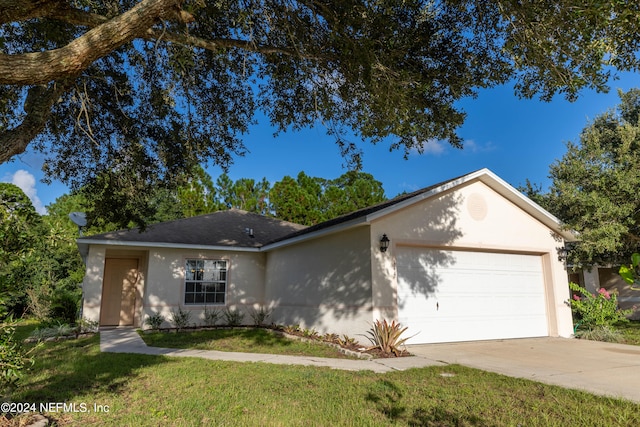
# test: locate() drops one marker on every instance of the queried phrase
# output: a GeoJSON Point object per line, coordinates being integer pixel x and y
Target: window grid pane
{"type": "Point", "coordinates": [205, 281]}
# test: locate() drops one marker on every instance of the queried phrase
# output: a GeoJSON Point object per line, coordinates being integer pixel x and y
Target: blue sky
{"type": "Point", "coordinates": [517, 139]}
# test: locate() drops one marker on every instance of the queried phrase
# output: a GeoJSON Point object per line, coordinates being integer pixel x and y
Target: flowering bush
{"type": "Point", "coordinates": [596, 310]}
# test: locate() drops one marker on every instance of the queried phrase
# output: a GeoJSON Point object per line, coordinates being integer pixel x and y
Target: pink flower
{"type": "Point", "coordinates": [604, 293]}
{"type": "Point", "coordinates": [576, 297]}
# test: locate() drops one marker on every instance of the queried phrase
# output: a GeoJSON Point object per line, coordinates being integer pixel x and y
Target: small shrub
{"type": "Point", "coordinates": [291, 329]}
{"type": "Point", "coordinates": [180, 318]}
{"type": "Point", "coordinates": [387, 337]}
{"type": "Point", "coordinates": [211, 317]}
{"type": "Point", "coordinates": [63, 330]}
{"type": "Point", "coordinates": [54, 331]}
{"type": "Point", "coordinates": [64, 306]}
{"type": "Point", "coordinates": [260, 316]}
{"type": "Point", "coordinates": [85, 325]}
{"type": "Point", "coordinates": [347, 341]}
{"type": "Point", "coordinates": [39, 303]}
{"type": "Point", "coordinates": [595, 310]}
{"type": "Point", "coordinates": [233, 317]}
{"type": "Point", "coordinates": [601, 333]}
{"type": "Point", "coordinates": [154, 321]}
{"type": "Point", "coordinates": [310, 333]}
{"type": "Point", "coordinates": [14, 360]}
{"type": "Point", "coordinates": [332, 338]}
{"type": "Point", "coordinates": [43, 333]}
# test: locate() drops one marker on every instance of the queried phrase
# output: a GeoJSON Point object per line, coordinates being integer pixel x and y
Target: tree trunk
{"type": "Point", "coordinates": [68, 61]}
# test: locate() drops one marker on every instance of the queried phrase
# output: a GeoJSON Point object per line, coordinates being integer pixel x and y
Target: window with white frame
{"type": "Point", "coordinates": [205, 281]}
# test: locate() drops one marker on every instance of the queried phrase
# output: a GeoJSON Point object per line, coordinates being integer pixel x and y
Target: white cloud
{"type": "Point", "coordinates": [474, 147]}
{"type": "Point", "coordinates": [437, 147]}
{"type": "Point", "coordinates": [432, 146]}
{"type": "Point", "coordinates": [27, 183]}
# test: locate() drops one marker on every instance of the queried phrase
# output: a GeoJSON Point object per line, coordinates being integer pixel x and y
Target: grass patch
{"type": "Point", "coordinates": [630, 332]}
{"type": "Point", "coordinates": [24, 328]}
{"type": "Point", "coordinates": [244, 340]}
{"type": "Point", "coordinates": [622, 333]}
{"type": "Point", "coordinates": [145, 390]}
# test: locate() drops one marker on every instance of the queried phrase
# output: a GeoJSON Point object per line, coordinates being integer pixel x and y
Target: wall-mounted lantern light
{"type": "Point", "coordinates": [563, 253]}
{"type": "Point", "coordinates": [384, 243]}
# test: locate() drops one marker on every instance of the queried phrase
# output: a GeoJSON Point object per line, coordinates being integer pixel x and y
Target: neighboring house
{"type": "Point", "coordinates": [468, 259]}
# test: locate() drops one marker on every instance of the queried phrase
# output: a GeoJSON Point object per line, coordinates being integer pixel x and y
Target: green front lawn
{"type": "Point", "coordinates": [142, 390]}
{"type": "Point", "coordinates": [630, 332]}
{"type": "Point", "coordinates": [249, 340]}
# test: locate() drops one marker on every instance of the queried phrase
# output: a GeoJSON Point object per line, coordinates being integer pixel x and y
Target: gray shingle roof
{"type": "Point", "coordinates": [222, 228]}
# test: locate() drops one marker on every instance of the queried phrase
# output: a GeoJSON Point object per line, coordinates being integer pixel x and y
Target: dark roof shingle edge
{"type": "Point", "coordinates": [366, 211]}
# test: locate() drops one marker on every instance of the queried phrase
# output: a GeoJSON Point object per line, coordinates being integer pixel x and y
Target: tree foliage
{"type": "Point", "coordinates": [124, 96]}
{"type": "Point", "coordinates": [308, 200]}
{"type": "Point", "coordinates": [198, 195]}
{"type": "Point", "coordinates": [20, 233]}
{"type": "Point", "coordinates": [14, 360]}
{"type": "Point", "coordinates": [246, 194]}
{"type": "Point", "coordinates": [40, 267]}
{"type": "Point", "coordinates": [303, 200]}
{"type": "Point", "coordinates": [595, 185]}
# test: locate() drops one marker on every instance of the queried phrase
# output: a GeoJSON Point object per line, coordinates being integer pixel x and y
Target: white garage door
{"type": "Point", "coordinates": [446, 296]}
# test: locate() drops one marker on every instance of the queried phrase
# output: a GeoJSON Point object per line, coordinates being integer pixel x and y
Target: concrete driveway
{"type": "Point", "coordinates": [600, 368]}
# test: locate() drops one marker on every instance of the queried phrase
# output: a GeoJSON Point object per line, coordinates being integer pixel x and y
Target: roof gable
{"type": "Point", "coordinates": [366, 215]}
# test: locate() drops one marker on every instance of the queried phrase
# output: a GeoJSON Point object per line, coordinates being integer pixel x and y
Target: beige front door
{"type": "Point", "coordinates": [119, 292]}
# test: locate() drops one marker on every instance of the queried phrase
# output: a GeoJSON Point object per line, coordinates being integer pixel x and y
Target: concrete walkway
{"type": "Point", "coordinates": [127, 340]}
{"type": "Point", "coordinates": [599, 368]}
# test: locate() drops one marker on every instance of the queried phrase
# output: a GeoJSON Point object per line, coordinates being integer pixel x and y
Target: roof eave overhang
{"type": "Point", "coordinates": [83, 246]}
{"type": "Point", "coordinates": [416, 199]}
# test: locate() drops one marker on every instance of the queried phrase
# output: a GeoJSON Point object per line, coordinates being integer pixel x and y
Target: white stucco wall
{"type": "Point", "coordinates": [161, 287]}
{"type": "Point", "coordinates": [472, 217]}
{"type": "Point", "coordinates": [92, 283]}
{"type": "Point", "coordinates": [323, 283]}
{"type": "Point", "coordinates": [164, 291]}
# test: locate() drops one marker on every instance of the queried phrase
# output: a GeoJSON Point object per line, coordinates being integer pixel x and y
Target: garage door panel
{"type": "Point", "coordinates": [471, 296]}
{"type": "Point", "coordinates": [464, 332]}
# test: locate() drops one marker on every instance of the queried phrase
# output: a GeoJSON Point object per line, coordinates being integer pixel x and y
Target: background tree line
{"type": "Point", "coordinates": [304, 199]}
{"type": "Point", "coordinates": [41, 269]}
{"type": "Point", "coordinates": [595, 187]}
